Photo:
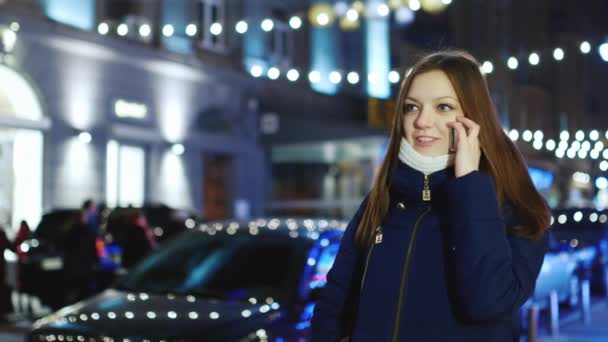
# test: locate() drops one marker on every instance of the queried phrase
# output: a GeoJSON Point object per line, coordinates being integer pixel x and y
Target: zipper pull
{"type": "Point", "coordinates": [426, 191]}
{"type": "Point", "coordinates": [378, 235]}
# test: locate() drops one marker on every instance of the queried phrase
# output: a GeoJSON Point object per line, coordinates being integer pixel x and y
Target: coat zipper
{"type": "Point", "coordinates": [426, 191]}
{"type": "Point", "coordinates": [377, 240]}
{"type": "Point", "coordinates": [426, 196]}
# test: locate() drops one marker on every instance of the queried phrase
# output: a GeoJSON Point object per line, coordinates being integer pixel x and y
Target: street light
{"type": "Point", "coordinates": [191, 30]}
{"type": "Point", "coordinates": [558, 54]}
{"type": "Point", "coordinates": [267, 25]}
{"type": "Point", "coordinates": [274, 73]}
{"type": "Point", "coordinates": [241, 27]}
{"type": "Point", "coordinates": [314, 76]}
{"type": "Point", "coordinates": [168, 30]}
{"type": "Point", "coordinates": [335, 77]}
{"type": "Point", "coordinates": [178, 149]}
{"type": "Point", "coordinates": [122, 29]}
{"type": "Point", "coordinates": [85, 137]}
{"type": "Point", "coordinates": [293, 75]}
{"type": "Point", "coordinates": [512, 63]}
{"type": "Point", "coordinates": [352, 77]}
{"type": "Point", "coordinates": [295, 22]}
{"type": "Point", "coordinates": [256, 71]}
{"type": "Point", "coordinates": [534, 58]}
{"type": "Point", "coordinates": [103, 28]}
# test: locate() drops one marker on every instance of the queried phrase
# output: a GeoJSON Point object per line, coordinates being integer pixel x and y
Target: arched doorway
{"type": "Point", "coordinates": [21, 148]}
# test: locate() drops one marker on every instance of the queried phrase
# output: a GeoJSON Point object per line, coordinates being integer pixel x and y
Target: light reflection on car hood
{"type": "Point", "coordinates": [117, 314]}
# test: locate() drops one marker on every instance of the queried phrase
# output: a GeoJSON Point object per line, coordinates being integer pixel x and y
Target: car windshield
{"type": "Point", "coordinates": [221, 266]}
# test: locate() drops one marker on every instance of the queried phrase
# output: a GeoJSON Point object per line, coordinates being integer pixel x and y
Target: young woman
{"type": "Point", "coordinates": [448, 243]}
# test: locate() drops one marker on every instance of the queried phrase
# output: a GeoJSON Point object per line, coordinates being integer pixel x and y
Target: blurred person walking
{"type": "Point", "coordinates": [136, 238]}
{"type": "Point", "coordinates": [22, 234]}
{"type": "Point", "coordinates": [91, 215]}
{"type": "Point", "coordinates": [80, 258]}
{"type": "Point", "coordinates": [449, 241]}
{"type": "Point", "coordinates": [5, 300]}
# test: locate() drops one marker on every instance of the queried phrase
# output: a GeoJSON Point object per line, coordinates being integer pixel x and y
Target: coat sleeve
{"type": "Point", "coordinates": [494, 274]}
{"type": "Point", "coordinates": [329, 309]}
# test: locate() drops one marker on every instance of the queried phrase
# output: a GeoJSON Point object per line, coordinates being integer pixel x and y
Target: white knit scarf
{"type": "Point", "coordinates": [424, 164]}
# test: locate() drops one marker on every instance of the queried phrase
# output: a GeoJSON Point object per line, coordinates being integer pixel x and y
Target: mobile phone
{"type": "Point", "coordinates": [452, 139]}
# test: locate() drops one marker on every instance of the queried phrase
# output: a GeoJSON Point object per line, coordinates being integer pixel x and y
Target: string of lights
{"type": "Point", "coordinates": [579, 144]}
{"type": "Point", "coordinates": [596, 216]}
{"type": "Point", "coordinates": [319, 15]}
{"type": "Point", "coordinates": [337, 76]}
{"type": "Point", "coordinates": [325, 15]}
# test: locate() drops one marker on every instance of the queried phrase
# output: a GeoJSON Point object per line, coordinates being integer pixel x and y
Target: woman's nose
{"type": "Point", "coordinates": [424, 119]}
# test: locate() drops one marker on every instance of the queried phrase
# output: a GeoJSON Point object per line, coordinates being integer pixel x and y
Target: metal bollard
{"type": "Point", "coordinates": [532, 323]}
{"type": "Point", "coordinates": [553, 313]}
{"type": "Point", "coordinates": [585, 301]}
{"type": "Point", "coordinates": [605, 279]}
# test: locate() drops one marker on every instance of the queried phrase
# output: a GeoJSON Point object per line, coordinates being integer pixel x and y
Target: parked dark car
{"type": "Point", "coordinates": [60, 264]}
{"type": "Point", "coordinates": [167, 222]}
{"type": "Point", "coordinates": [224, 281]}
{"type": "Point", "coordinates": [580, 229]}
{"type": "Point", "coordinates": [561, 272]}
{"type": "Point", "coordinates": [570, 260]}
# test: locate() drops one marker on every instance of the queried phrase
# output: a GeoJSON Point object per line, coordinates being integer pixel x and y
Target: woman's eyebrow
{"type": "Point", "coordinates": [446, 97]}
{"type": "Point", "coordinates": [437, 98]}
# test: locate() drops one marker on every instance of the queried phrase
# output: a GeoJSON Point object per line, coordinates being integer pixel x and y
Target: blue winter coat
{"type": "Point", "coordinates": [439, 270]}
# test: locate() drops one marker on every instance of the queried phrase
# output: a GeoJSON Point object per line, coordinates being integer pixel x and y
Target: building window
{"type": "Point", "coordinates": [212, 19]}
{"type": "Point", "coordinates": [280, 45]}
{"type": "Point", "coordinates": [125, 175]}
{"type": "Point", "coordinates": [128, 18]}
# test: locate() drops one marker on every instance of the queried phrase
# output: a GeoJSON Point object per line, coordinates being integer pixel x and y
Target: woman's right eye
{"type": "Point", "coordinates": [409, 107]}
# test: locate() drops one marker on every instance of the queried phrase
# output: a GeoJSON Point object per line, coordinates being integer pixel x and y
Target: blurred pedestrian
{"type": "Point", "coordinates": [22, 234]}
{"type": "Point", "coordinates": [80, 260]}
{"type": "Point", "coordinates": [5, 297]}
{"type": "Point", "coordinates": [102, 214]}
{"type": "Point", "coordinates": [137, 238]}
{"type": "Point", "coordinates": [449, 241]}
{"type": "Point", "coordinates": [90, 215]}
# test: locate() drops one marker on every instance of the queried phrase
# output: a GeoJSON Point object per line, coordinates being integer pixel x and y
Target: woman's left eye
{"type": "Point", "coordinates": [445, 107]}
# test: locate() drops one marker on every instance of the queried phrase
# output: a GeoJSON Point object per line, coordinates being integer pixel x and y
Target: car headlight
{"type": "Point", "coordinates": [10, 256]}
{"type": "Point", "coordinates": [24, 247]}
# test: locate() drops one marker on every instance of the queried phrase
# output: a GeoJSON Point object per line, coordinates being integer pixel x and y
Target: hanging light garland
{"type": "Point", "coordinates": [580, 144]}
{"type": "Point", "coordinates": [351, 17]}
{"type": "Point", "coordinates": [324, 15]}
{"type": "Point", "coordinates": [487, 67]}
{"type": "Point", "coordinates": [319, 15]}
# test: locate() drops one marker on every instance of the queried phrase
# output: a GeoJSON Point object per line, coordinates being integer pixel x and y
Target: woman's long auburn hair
{"type": "Point", "coordinates": [500, 157]}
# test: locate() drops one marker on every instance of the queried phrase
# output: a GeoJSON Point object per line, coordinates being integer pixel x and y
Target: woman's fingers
{"type": "Point", "coordinates": [461, 133]}
{"type": "Point", "coordinates": [472, 127]}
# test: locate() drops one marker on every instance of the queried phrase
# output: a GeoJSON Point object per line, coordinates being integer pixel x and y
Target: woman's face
{"type": "Point", "coordinates": [430, 104]}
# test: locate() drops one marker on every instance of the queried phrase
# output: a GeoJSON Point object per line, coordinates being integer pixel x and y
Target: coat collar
{"type": "Point", "coordinates": [407, 184]}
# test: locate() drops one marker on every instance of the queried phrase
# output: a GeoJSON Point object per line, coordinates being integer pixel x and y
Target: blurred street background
{"type": "Point", "coordinates": [131, 129]}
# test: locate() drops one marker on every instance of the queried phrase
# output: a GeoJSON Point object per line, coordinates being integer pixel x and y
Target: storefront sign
{"type": "Point", "coordinates": [269, 123]}
{"type": "Point", "coordinates": [131, 110]}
